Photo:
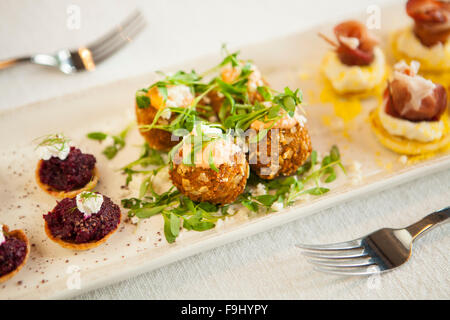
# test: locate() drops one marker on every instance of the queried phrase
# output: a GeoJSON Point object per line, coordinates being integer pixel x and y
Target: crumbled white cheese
{"type": "Point", "coordinates": [179, 96]}
{"type": "Point", "coordinates": [260, 190]}
{"type": "Point", "coordinates": [2, 236]}
{"type": "Point", "coordinates": [356, 172]}
{"type": "Point", "coordinates": [277, 206]}
{"type": "Point", "coordinates": [89, 203]}
{"type": "Point", "coordinates": [59, 150]}
{"type": "Point", "coordinates": [232, 209]}
{"type": "Point", "coordinates": [134, 220]}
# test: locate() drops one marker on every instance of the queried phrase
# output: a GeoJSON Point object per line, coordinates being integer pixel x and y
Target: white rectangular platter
{"type": "Point", "coordinates": [52, 272]}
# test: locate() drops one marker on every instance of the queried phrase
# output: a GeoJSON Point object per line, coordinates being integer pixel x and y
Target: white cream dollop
{"type": "Point", "coordinates": [423, 131]}
{"type": "Point", "coordinates": [2, 236]}
{"type": "Point", "coordinates": [345, 79]}
{"type": "Point", "coordinates": [59, 150]}
{"type": "Point", "coordinates": [436, 57]}
{"type": "Point", "coordinates": [89, 203]}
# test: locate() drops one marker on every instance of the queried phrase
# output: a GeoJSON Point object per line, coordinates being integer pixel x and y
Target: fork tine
{"type": "Point", "coordinates": [350, 271]}
{"type": "Point", "coordinates": [338, 254]}
{"type": "Point", "coordinates": [353, 244]}
{"type": "Point", "coordinates": [342, 263]}
{"type": "Point", "coordinates": [113, 33]}
{"type": "Point", "coordinates": [121, 41]}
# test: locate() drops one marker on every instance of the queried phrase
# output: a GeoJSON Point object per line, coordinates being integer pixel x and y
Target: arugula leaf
{"type": "Point", "coordinates": [142, 100]}
{"type": "Point", "coordinates": [170, 237]}
{"type": "Point", "coordinates": [100, 136]}
{"type": "Point", "coordinates": [143, 213]}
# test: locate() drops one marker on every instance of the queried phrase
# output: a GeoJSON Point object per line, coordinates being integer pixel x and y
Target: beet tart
{"type": "Point", "coordinates": [14, 252]}
{"type": "Point", "coordinates": [83, 222]}
{"type": "Point", "coordinates": [63, 171]}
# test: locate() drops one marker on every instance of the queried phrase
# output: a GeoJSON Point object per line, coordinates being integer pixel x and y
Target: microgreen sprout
{"type": "Point", "coordinates": [118, 141]}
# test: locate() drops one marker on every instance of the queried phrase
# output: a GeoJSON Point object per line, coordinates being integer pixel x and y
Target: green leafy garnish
{"type": "Point", "coordinates": [118, 141]}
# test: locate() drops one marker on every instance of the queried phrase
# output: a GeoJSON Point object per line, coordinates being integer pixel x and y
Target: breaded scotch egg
{"type": "Point", "coordinates": [284, 148]}
{"type": "Point", "coordinates": [216, 171]}
{"type": "Point", "coordinates": [178, 96]}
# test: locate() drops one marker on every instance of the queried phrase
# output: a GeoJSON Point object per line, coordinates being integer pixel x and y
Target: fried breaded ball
{"type": "Point", "coordinates": [178, 96]}
{"type": "Point", "coordinates": [202, 183]}
{"type": "Point", "coordinates": [293, 147]}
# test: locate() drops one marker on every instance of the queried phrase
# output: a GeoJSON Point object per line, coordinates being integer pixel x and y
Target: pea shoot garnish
{"type": "Point", "coordinates": [118, 141]}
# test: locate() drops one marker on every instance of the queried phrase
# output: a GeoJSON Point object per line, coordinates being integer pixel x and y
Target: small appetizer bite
{"type": "Point", "coordinates": [412, 119]}
{"type": "Point", "coordinates": [285, 144]}
{"type": "Point", "coordinates": [427, 41]}
{"type": "Point", "coordinates": [64, 171]}
{"type": "Point", "coordinates": [208, 166]}
{"type": "Point", "coordinates": [83, 222]}
{"type": "Point", "coordinates": [245, 77]}
{"type": "Point", "coordinates": [154, 108]}
{"type": "Point", "coordinates": [14, 252]}
{"type": "Point", "coordinates": [357, 64]}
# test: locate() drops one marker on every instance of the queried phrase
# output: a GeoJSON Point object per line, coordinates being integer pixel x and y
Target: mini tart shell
{"type": "Point", "coordinates": [19, 234]}
{"type": "Point", "coordinates": [65, 194]}
{"type": "Point", "coordinates": [78, 246]}
{"type": "Point", "coordinates": [406, 146]}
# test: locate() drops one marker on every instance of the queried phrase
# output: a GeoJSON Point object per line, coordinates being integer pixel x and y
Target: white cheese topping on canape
{"type": "Point", "coordinates": [351, 42]}
{"type": "Point", "coordinates": [346, 78]}
{"type": "Point", "coordinates": [423, 131]}
{"type": "Point", "coordinates": [435, 57]}
{"type": "Point", "coordinates": [58, 149]}
{"type": "Point", "coordinates": [89, 203]}
{"type": "Point", "coordinates": [2, 236]}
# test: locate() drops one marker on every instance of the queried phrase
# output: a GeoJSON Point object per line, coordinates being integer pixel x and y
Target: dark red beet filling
{"type": "Point", "coordinates": [69, 174]}
{"type": "Point", "coordinates": [66, 222]}
{"type": "Point", "coordinates": [12, 253]}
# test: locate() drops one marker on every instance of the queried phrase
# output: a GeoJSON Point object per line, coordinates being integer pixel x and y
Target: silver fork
{"type": "Point", "coordinates": [380, 251]}
{"type": "Point", "coordinates": [87, 57]}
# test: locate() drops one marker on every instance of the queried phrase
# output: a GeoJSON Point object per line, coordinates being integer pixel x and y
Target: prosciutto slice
{"type": "Point", "coordinates": [432, 20]}
{"type": "Point", "coordinates": [412, 97]}
{"type": "Point", "coordinates": [355, 43]}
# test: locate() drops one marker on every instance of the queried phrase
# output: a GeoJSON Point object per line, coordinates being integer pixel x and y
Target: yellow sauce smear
{"type": "Point", "coordinates": [347, 106]}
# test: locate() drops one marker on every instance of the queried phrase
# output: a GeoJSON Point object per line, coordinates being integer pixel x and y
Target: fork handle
{"type": "Point", "coordinates": [11, 62]}
{"type": "Point", "coordinates": [41, 59]}
{"type": "Point", "coordinates": [429, 222]}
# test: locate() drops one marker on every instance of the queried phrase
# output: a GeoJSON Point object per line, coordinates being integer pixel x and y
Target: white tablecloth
{"type": "Point", "coordinates": [264, 266]}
